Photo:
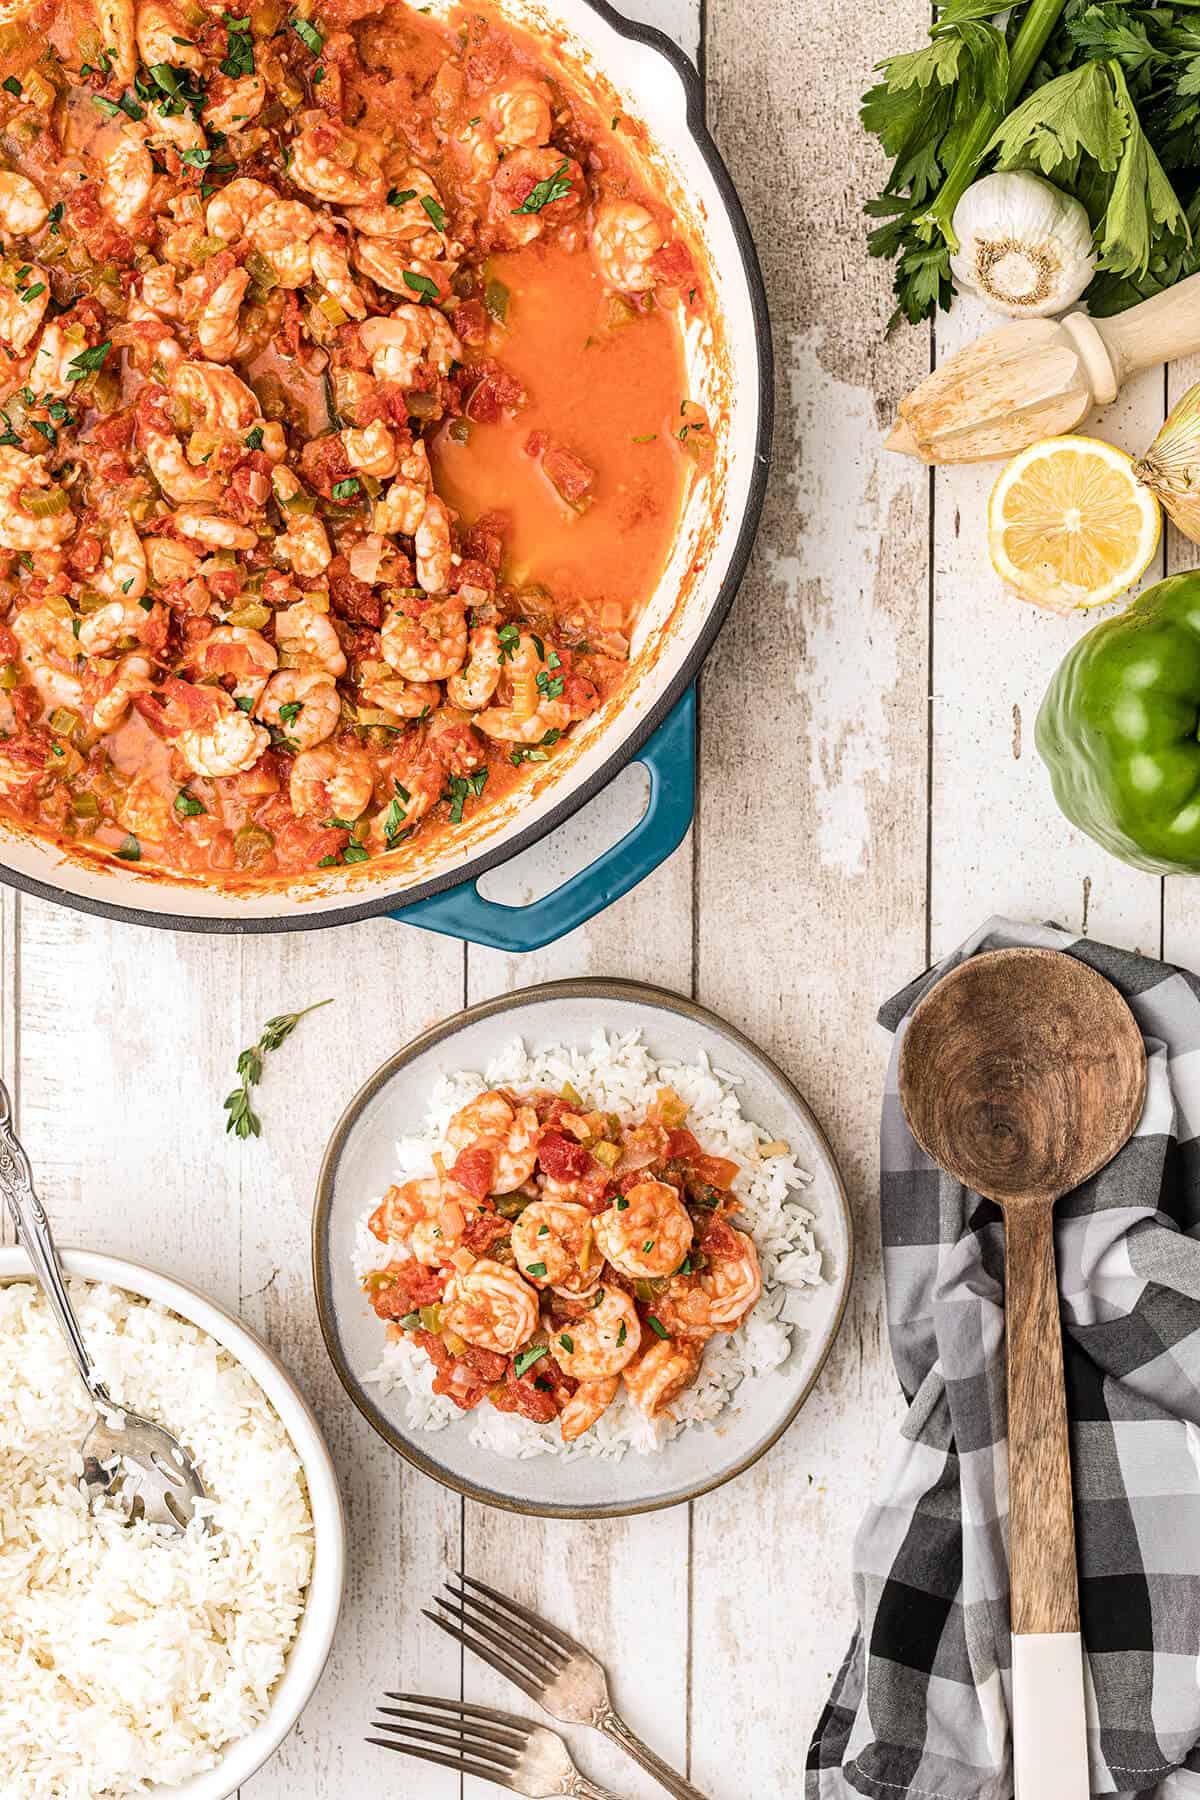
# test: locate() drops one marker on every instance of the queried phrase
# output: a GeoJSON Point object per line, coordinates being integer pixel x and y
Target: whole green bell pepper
{"type": "Point", "coordinates": [1119, 730]}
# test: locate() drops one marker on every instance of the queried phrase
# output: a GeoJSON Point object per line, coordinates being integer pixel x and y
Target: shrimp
{"type": "Point", "coordinates": [372, 451]}
{"type": "Point", "coordinates": [475, 684]}
{"type": "Point", "coordinates": [231, 210]}
{"type": "Point", "coordinates": [176, 477]}
{"type": "Point", "coordinates": [220, 397]}
{"type": "Point", "coordinates": [22, 307]}
{"type": "Point", "coordinates": [489, 1305]}
{"type": "Point", "coordinates": [648, 1232]}
{"type": "Point", "coordinates": [232, 104]}
{"type": "Point", "coordinates": [624, 238]}
{"type": "Point", "coordinates": [303, 704]}
{"type": "Point", "coordinates": [145, 810]}
{"type": "Point", "coordinates": [531, 702]}
{"type": "Point", "coordinates": [21, 477]}
{"type": "Point", "coordinates": [412, 335]}
{"type": "Point", "coordinates": [553, 1244]}
{"type": "Point", "coordinates": [432, 547]}
{"type": "Point", "coordinates": [307, 640]}
{"type": "Point", "coordinates": [162, 37]}
{"type": "Point", "coordinates": [521, 115]}
{"type": "Point", "coordinates": [111, 696]}
{"type": "Point", "coordinates": [333, 781]}
{"type": "Point", "coordinates": [332, 272]}
{"type": "Point", "coordinates": [403, 1208]}
{"type": "Point", "coordinates": [403, 699]}
{"type": "Point", "coordinates": [434, 1240]}
{"type": "Point", "coordinates": [160, 290]}
{"type": "Point", "coordinates": [128, 177]}
{"type": "Point", "coordinates": [281, 233]}
{"type": "Point", "coordinates": [177, 131]}
{"type": "Point", "coordinates": [598, 1345]}
{"type": "Point", "coordinates": [115, 19]}
{"type": "Point", "coordinates": [393, 266]}
{"type": "Point", "coordinates": [122, 574]}
{"type": "Point", "coordinates": [169, 560]}
{"type": "Point", "coordinates": [50, 370]}
{"type": "Point", "coordinates": [490, 1123]}
{"type": "Point", "coordinates": [403, 220]}
{"type": "Point", "coordinates": [667, 1368]}
{"type": "Point", "coordinates": [590, 1399]}
{"type": "Point", "coordinates": [357, 181]}
{"type": "Point", "coordinates": [50, 652]}
{"type": "Point", "coordinates": [428, 646]}
{"type": "Point", "coordinates": [226, 744]}
{"type": "Point", "coordinates": [732, 1284]}
{"type": "Point", "coordinates": [217, 327]}
{"type": "Point", "coordinates": [102, 630]}
{"type": "Point", "coordinates": [241, 652]}
{"type": "Point", "coordinates": [217, 533]}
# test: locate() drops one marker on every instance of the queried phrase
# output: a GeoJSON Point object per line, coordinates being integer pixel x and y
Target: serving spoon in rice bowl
{"type": "Point", "coordinates": [128, 1461]}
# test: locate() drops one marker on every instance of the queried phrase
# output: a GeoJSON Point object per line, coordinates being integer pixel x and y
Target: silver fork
{"type": "Point", "coordinates": [552, 1668]}
{"type": "Point", "coordinates": [476, 1740]}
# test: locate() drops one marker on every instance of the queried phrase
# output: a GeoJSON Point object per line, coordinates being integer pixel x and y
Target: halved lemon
{"type": "Point", "coordinates": [1069, 525]}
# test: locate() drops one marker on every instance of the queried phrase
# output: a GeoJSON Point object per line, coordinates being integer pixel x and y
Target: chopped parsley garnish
{"type": "Point", "coordinates": [318, 75]}
{"type": "Point", "coordinates": [131, 850]}
{"type": "Point", "coordinates": [347, 489]}
{"type": "Point", "coordinates": [523, 753]}
{"type": "Point", "coordinates": [549, 686]}
{"type": "Point", "coordinates": [308, 35]}
{"type": "Point", "coordinates": [239, 59]}
{"type": "Point", "coordinates": [290, 711]}
{"type": "Point", "coordinates": [568, 1343]}
{"type": "Point", "coordinates": [509, 639]}
{"type": "Point", "coordinates": [47, 431]}
{"type": "Point", "coordinates": [254, 438]}
{"type": "Point", "coordinates": [527, 1358]}
{"type": "Point", "coordinates": [648, 1246]}
{"type": "Point", "coordinates": [12, 85]}
{"type": "Point", "coordinates": [622, 1203]}
{"type": "Point", "coordinates": [196, 159]}
{"type": "Point", "coordinates": [55, 215]}
{"type": "Point", "coordinates": [395, 816]}
{"type": "Point", "coordinates": [543, 1231]}
{"type": "Point", "coordinates": [420, 284]}
{"type": "Point", "coordinates": [685, 1267]}
{"type": "Point", "coordinates": [356, 852]}
{"type": "Point", "coordinates": [400, 196]}
{"type": "Point", "coordinates": [187, 805]}
{"type": "Point", "coordinates": [622, 1335]}
{"type": "Point", "coordinates": [656, 1325]}
{"type": "Point", "coordinates": [244, 703]}
{"type": "Point", "coordinates": [8, 436]}
{"type": "Point", "coordinates": [538, 1268]}
{"type": "Point", "coordinates": [460, 786]}
{"type": "Point", "coordinates": [436, 211]}
{"type": "Point", "coordinates": [88, 361]}
{"type": "Point", "coordinates": [32, 293]}
{"type": "Point", "coordinates": [555, 186]}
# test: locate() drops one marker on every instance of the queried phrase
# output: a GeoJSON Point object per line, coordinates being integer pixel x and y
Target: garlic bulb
{"type": "Point", "coordinates": [1171, 466]}
{"type": "Point", "coordinates": [1023, 246]}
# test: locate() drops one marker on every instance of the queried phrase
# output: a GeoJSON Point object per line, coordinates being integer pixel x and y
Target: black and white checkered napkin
{"type": "Point", "coordinates": [920, 1705]}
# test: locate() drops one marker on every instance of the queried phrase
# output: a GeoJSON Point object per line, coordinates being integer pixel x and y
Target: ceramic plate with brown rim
{"type": "Point", "coordinates": [361, 1163]}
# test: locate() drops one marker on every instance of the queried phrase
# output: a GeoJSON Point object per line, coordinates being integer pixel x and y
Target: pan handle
{"type": "Point", "coordinates": [669, 758]}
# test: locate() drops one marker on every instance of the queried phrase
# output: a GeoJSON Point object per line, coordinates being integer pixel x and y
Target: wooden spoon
{"type": "Point", "coordinates": [1022, 1073]}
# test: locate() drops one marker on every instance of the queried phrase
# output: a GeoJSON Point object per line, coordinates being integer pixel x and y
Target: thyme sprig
{"type": "Point", "coordinates": [243, 1121]}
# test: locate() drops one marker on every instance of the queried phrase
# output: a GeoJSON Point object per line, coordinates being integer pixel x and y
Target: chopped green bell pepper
{"type": "Point", "coordinates": [1119, 730]}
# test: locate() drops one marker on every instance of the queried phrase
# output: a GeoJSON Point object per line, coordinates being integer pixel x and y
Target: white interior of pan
{"type": "Point", "coordinates": [723, 373]}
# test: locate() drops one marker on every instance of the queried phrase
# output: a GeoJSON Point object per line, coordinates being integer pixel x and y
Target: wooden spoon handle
{"type": "Point", "coordinates": [1049, 1727]}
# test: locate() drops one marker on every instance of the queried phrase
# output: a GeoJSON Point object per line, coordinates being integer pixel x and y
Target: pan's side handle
{"type": "Point", "coordinates": [669, 758]}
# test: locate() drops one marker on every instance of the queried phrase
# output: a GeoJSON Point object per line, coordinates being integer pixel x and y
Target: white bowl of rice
{"type": "Point", "coordinates": [132, 1661]}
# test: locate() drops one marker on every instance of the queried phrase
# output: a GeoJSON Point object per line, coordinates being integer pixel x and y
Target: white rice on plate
{"type": "Point", "coordinates": [129, 1656]}
{"type": "Point", "coordinates": [616, 1073]}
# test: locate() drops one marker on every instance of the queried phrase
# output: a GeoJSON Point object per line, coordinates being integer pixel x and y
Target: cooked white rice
{"type": "Point", "coordinates": [617, 1074]}
{"type": "Point", "coordinates": [129, 1656]}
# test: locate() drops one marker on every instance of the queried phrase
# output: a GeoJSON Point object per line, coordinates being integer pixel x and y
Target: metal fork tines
{"type": "Point", "coordinates": [546, 1663]}
{"type": "Point", "coordinates": [477, 1740]}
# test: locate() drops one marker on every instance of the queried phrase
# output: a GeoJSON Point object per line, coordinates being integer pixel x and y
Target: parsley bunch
{"type": "Point", "coordinates": [1103, 99]}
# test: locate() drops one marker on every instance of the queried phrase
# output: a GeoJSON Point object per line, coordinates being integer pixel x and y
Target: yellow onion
{"type": "Point", "coordinates": [1171, 466]}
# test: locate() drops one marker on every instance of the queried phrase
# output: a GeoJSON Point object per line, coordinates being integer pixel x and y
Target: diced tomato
{"type": "Point", "coordinates": [563, 1158]}
{"type": "Point", "coordinates": [83, 558]}
{"type": "Point", "coordinates": [471, 322]}
{"type": "Point", "coordinates": [484, 1232]}
{"type": "Point", "coordinates": [471, 573]}
{"type": "Point", "coordinates": [454, 1378]}
{"type": "Point", "coordinates": [323, 461]}
{"type": "Point", "coordinates": [423, 1286]}
{"type": "Point", "coordinates": [456, 744]}
{"type": "Point", "coordinates": [153, 413]}
{"type": "Point", "coordinates": [672, 265]}
{"type": "Point", "coordinates": [495, 393]}
{"type": "Point", "coordinates": [115, 432]}
{"type": "Point", "coordinates": [713, 1171]}
{"type": "Point", "coordinates": [351, 598]}
{"type": "Point", "coordinates": [580, 694]}
{"type": "Point", "coordinates": [568, 473]}
{"type": "Point", "coordinates": [249, 486]}
{"type": "Point", "coordinates": [8, 644]}
{"type": "Point", "coordinates": [539, 1394]}
{"type": "Point", "coordinates": [717, 1239]}
{"type": "Point", "coordinates": [475, 1170]}
{"type": "Point", "coordinates": [485, 540]}
{"type": "Point", "coordinates": [489, 1365]}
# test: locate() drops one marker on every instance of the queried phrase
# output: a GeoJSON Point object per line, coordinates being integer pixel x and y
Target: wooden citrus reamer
{"type": "Point", "coordinates": [1022, 1073]}
{"type": "Point", "coordinates": [1037, 378]}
